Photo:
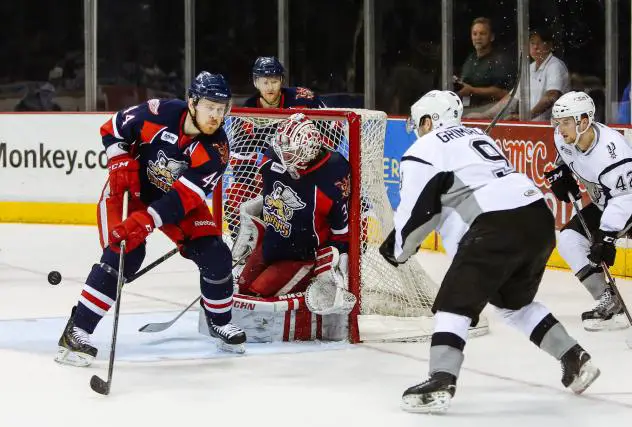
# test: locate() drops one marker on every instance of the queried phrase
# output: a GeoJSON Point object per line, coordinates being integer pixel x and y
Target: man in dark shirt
{"type": "Point", "coordinates": [485, 76]}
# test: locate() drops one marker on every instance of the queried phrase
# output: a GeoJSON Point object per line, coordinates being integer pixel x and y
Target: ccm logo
{"type": "Point", "coordinates": [203, 223]}
{"type": "Point", "coordinates": [119, 165]}
{"type": "Point", "coordinates": [244, 305]}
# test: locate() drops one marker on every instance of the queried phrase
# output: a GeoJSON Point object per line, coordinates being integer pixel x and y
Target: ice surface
{"type": "Point", "coordinates": [177, 378]}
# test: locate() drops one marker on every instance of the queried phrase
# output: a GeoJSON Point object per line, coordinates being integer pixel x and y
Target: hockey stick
{"type": "Point", "coordinates": [97, 384]}
{"type": "Point", "coordinates": [161, 326]}
{"type": "Point", "coordinates": [157, 262]}
{"type": "Point", "coordinates": [511, 96]}
{"type": "Point", "coordinates": [606, 271]}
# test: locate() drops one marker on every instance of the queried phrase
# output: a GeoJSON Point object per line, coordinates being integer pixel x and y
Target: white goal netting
{"type": "Point", "coordinates": [394, 303]}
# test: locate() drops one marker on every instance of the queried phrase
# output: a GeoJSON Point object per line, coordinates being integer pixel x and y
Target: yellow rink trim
{"type": "Point", "coordinates": [86, 214]}
{"type": "Point", "coordinates": [49, 213]}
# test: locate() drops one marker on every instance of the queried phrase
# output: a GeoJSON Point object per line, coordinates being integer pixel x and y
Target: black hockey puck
{"type": "Point", "coordinates": [54, 277]}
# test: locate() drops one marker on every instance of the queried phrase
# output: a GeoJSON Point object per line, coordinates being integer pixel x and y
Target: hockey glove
{"type": "Point", "coordinates": [123, 170]}
{"type": "Point", "coordinates": [134, 230]}
{"type": "Point", "coordinates": [603, 249]}
{"type": "Point", "coordinates": [562, 182]}
{"type": "Point", "coordinates": [387, 249]}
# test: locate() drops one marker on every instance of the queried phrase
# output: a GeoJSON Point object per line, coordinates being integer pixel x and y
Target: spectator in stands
{"type": "Point", "coordinates": [548, 80]}
{"type": "Point", "coordinates": [623, 114]}
{"type": "Point", "coordinates": [39, 99]}
{"type": "Point", "coordinates": [485, 76]}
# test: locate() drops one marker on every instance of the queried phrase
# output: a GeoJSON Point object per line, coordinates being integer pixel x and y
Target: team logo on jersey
{"type": "Point", "coordinates": [169, 137]}
{"type": "Point", "coordinates": [165, 171]}
{"type": "Point", "coordinates": [279, 207]}
{"type": "Point", "coordinates": [222, 149]}
{"type": "Point", "coordinates": [344, 185]}
{"type": "Point", "coordinates": [153, 105]}
{"type": "Point", "coordinates": [303, 92]}
{"type": "Point", "coordinates": [611, 148]}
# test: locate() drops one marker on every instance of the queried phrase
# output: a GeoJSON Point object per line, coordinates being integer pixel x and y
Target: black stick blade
{"type": "Point", "coordinates": [100, 386]}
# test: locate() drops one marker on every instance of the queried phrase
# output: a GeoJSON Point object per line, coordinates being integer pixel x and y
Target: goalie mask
{"type": "Point", "coordinates": [297, 142]}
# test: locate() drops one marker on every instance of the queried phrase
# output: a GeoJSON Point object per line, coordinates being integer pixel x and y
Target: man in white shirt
{"type": "Point", "coordinates": [498, 230]}
{"type": "Point", "coordinates": [548, 80]}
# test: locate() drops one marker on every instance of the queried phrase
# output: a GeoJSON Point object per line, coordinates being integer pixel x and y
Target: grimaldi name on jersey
{"type": "Point", "coordinates": [457, 132]}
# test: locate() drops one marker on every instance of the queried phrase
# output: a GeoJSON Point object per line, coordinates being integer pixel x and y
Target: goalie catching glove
{"type": "Point", "coordinates": [327, 294]}
{"type": "Point", "coordinates": [251, 228]}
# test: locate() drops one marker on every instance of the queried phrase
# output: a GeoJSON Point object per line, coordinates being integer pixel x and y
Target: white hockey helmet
{"type": "Point", "coordinates": [574, 104]}
{"type": "Point", "coordinates": [297, 141]}
{"type": "Point", "coordinates": [444, 108]}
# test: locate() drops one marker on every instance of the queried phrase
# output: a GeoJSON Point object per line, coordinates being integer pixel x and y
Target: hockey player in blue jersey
{"type": "Point", "coordinates": [298, 227]}
{"type": "Point", "coordinates": [268, 76]}
{"type": "Point", "coordinates": [169, 155]}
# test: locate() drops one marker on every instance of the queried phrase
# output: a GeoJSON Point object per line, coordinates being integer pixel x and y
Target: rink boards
{"type": "Point", "coordinates": [52, 168]}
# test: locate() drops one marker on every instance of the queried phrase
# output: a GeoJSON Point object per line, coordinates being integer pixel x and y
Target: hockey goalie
{"type": "Point", "coordinates": [294, 237]}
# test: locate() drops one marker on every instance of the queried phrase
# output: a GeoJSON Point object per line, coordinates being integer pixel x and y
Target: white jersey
{"type": "Point", "coordinates": [605, 168]}
{"type": "Point", "coordinates": [448, 178]}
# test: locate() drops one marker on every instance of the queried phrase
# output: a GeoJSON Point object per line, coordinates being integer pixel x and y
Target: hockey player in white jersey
{"type": "Point", "coordinates": [499, 231]}
{"type": "Point", "coordinates": [602, 159]}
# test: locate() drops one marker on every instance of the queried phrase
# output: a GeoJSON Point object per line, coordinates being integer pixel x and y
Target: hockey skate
{"type": "Point", "coordinates": [230, 338]}
{"type": "Point", "coordinates": [75, 348]}
{"type": "Point", "coordinates": [431, 396]}
{"type": "Point", "coordinates": [578, 372]}
{"type": "Point", "coordinates": [607, 315]}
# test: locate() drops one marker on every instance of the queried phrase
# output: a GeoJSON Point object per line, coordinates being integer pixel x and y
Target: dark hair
{"type": "Point", "coordinates": [545, 34]}
{"type": "Point", "coordinates": [484, 21]}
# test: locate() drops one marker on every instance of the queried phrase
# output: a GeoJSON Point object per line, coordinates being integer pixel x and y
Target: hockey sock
{"type": "Point", "coordinates": [448, 341]}
{"type": "Point", "coordinates": [536, 321]}
{"type": "Point", "coordinates": [217, 298]}
{"type": "Point", "coordinates": [214, 261]}
{"type": "Point", "coordinates": [593, 280]}
{"type": "Point", "coordinates": [99, 291]}
{"type": "Point", "coordinates": [552, 337]}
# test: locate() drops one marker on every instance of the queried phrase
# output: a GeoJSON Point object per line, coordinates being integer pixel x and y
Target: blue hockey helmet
{"type": "Point", "coordinates": [210, 86]}
{"type": "Point", "coordinates": [267, 66]}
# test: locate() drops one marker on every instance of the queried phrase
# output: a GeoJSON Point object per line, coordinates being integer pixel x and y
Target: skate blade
{"type": "Point", "coordinates": [587, 375]}
{"type": "Point", "coordinates": [72, 358]}
{"type": "Point", "coordinates": [415, 403]}
{"type": "Point", "coordinates": [615, 323]}
{"type": "Point", "coordinates": [231, 348]}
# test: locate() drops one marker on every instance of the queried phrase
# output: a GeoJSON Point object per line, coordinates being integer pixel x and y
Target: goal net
{"type": "Point", "coordinates": [393, 303]}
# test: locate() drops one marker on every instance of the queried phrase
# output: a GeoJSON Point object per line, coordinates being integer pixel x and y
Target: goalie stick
{"type": "Point", "coordinates": [611, 282]}
{"type": "Point", "coordinates": [512, 94]}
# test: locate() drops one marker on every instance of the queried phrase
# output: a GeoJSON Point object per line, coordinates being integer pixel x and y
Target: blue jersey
{"type": "Point", "coordinates": [291, 97]}
{"type": "Point", "coordinates": [177, 172]}
{"type": "Point", "coordinates": [305, 214]}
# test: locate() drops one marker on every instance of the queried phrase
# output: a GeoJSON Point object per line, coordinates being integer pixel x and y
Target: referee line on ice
{"type": "Point", "coordinates": [593, 397]}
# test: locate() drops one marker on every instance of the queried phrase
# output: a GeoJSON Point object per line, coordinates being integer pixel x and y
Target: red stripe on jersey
{"type": "Point", "coordinates": [149, 131]}
{"type": "Point", "coordinates": [199, 156]}
{"type": "Point", "coordinates": [107, 128]}
{"type": "Point", "coordinates": [317, 165]}
{"type": "Point", "coordinates": [321, 210]}
{"type": "Point", "coordinates": [96, 301]}
{"type": "Point", "coordinates": [189, 198]}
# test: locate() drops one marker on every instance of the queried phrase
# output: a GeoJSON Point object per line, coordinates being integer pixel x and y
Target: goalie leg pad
{"type": "Point", "coordinates": [280, 278]}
